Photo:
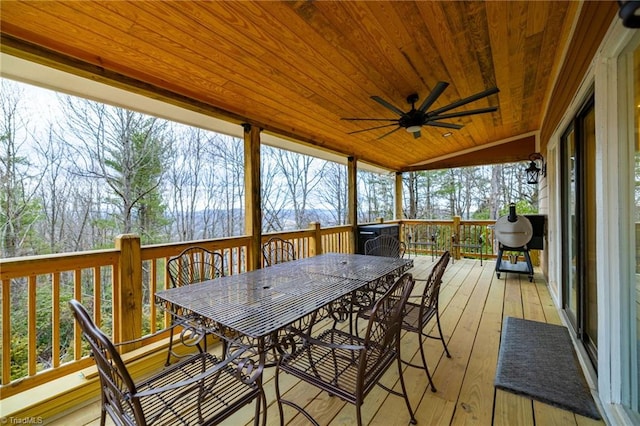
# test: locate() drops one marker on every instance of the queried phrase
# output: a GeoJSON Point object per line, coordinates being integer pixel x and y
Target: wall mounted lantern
{"type": "Point", "coordinates": [536, 167]}
{"type": "Point", "coordinates": [629, 13]}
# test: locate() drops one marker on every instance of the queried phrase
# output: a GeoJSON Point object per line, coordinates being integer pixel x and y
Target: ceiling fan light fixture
{"type": "Point", "coordinates": [413, 120]}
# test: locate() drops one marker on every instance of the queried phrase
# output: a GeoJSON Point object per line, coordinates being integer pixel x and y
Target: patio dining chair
{"type": "Point", "coordinates": [193, 265]}
{"type": "Point", "coordinates": [198, 390]}
{"type": "Point", "coordinates": [348, 366]}
{"type": "Point", "coordinates": [276, 250]}
{"type": "Point", "coordinates": [385, 245]}
{"type": "Point", "coordinates": [418, 315]}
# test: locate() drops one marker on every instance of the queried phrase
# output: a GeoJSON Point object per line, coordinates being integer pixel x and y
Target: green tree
{"type": "Point", "coordinates": [150, 210]}
{"type": "Point", "coordinates": [125, 152]}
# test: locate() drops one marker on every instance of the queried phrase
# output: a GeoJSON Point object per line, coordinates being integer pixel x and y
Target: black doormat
{"type": "Point", "coordinates": [537, 360]}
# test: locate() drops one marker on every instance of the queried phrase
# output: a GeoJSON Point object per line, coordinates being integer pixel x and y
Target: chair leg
{"type": "Point", "coordinates": [261, 403]}
{"type": "Point", "coordinates": [170, 349]}
{"type": "Point", "coordinates": [404, 393]}
{"type": "Point", "coordinates": [424, 362]}
{"type": "Point", "coordinates": [441, 335]}
{"type": "Point", "coordinates": [278, 397]}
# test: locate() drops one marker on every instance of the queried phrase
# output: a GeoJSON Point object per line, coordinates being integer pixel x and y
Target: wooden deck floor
{"type": "Point", "coordinates": [472, 304]}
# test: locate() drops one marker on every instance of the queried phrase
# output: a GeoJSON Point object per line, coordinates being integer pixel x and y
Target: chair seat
{"type": "Point", "coordinates": [334, 369]}
{"type": "Point", "coordinates": [205, 402]}
{"type": "Point", "coordinates": [411, 320]}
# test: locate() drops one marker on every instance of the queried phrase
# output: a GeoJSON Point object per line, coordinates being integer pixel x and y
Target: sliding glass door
{"type": "Point", "coordinates": [579, 227]}
{"type": "Point", "coordinates": [629, 80]}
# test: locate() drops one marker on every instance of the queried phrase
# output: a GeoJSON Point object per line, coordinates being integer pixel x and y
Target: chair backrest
{"type": "Point", "coordinates": [385, 321]}
{"type": "Point", "coordinates": [384, 245]}
{"type": "Point", "coordinates": [432, 287]}
{"type": "Point", "coordinates": [195, 264]}
{"type": "Point", "coordinates": [116, 383]}
{"type": "Point", "coordinates": [276, 250]}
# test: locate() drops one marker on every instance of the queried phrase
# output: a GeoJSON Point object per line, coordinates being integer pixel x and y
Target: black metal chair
{"type": "Point", "coordinates": [195, 264]}
{"type": "Point", "coordinates": [469, 244]}
{"type": "Point", "coordinates": [199, 390]}
{"type": "Point", "coordinates": [431, 243]}
{"type": "Point", "coordinates": [385, 245]}
{"type": "Point", "coordinates": [276, 250]}
{"type": "Point", "coordinates": [348, 366]}
{"type": "Point", "coordinates": [418, 315]}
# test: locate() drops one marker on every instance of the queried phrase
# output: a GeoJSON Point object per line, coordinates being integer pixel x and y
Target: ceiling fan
{"type": "Point", "coordinates": [413, 120]}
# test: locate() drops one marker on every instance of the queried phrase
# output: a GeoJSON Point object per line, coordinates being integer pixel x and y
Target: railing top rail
{"type": "Point", "coordinates": [286, 235]}
{"type": "Point", "coordinates": [59, 262]}
{"type": "Point", "coordinates": [338, 228]}
{"type": "Point", "coordinates": [157, 250]}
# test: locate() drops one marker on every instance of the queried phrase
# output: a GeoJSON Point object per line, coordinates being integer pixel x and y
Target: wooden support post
{"type": "Point", "coordinates": [315, 246]}
{"type": "Point", "coordinates": [127, 295]}
{"type": "Point", "coordinates": [252, 194]}
{"type": "Point", "coordinates": [455, 231]}
{"type": "Point", "coordinates": [398, 213]}
{"type": "Point", "coordinates": [352, 179]}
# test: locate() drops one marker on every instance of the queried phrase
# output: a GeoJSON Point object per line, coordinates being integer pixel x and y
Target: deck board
{"type": "Point", "coordinates": [473, 303]}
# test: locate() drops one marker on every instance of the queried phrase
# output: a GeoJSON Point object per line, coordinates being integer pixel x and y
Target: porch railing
{"type": "Point", "coordinates": [434, 236]}
{"type": "Point", "coordinates": [118, 285]}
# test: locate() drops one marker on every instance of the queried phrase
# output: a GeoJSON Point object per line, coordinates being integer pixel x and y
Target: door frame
{"type": "Point", "coordinates": [577, 320]}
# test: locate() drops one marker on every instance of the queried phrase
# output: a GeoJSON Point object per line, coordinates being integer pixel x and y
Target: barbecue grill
{"type": "Point", "coordinates": [514, 233]}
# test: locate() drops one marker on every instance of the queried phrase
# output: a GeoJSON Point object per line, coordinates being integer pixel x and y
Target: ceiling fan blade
{"type": "Point", "coordinates": [388, 133]}
{"type": "Point", "coordinates": [416, 135]}
{"type": "Point", "coordinates": [463, 113]}
{"type": "Point", "coordinates": [435, 94]}
{"type": "Point", "coordinates": [372, 128]}
{"type": "Point", "coordinates": [387, 105]}
{"type": "Point", "coordinates": [369, 119]}
{"type": "Point", "coordinates": [446, 125]}
{"type": "Point", "coordinates": [465, 101]}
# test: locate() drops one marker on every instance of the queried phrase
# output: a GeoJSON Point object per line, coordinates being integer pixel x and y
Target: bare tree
{"type": "Point", "coordinates": [411, 195]}
{"type": "Point", "coordinates": [494, 193]}
{"type": "Point", "coordinates": [301, 174]}
{"type": "Point", "coordinates": [125, 151]}
{"type": "Point", "coordinates": [19, 180]}
{"type": "Point", "coordinates": [227, 154]}
{"type": "Point", "coordinates": [333, 193]}
{"type": "Point", "coordinates": [184, 181]}
{"type": "Point", "coordinates": [275, 198]}
{"type": "Point", "coordinates": [375, 196]}
{"type": "Point", "coordinates": [55, 195]}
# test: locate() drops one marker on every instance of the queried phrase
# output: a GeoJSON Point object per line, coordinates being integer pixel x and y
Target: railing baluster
{"type": "Point", "coordinates": [97, 292]}
{"type": "Point", "coordinates": [77, 294]}
{"type": "Point", "coordinates": [6, 331]}
{"type": "Point", "coordinates": [55, 319]}
{"type": "Point", "coordinates": [32, 328]}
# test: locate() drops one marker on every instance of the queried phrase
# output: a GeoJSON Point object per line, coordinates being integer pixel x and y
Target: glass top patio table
{"type": "Point", "coordinates": [261, 302]}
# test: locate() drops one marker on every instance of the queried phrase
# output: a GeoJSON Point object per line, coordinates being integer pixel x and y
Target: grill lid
{"type": "Point", "coordinates": [513, 230]}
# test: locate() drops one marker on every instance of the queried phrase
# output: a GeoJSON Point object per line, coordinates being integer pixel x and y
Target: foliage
{"type": "Point", "coordinates": [471, 193]}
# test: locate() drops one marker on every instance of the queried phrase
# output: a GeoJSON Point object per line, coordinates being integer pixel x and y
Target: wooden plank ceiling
{"type": "Point", "coordinates": [296, 68]}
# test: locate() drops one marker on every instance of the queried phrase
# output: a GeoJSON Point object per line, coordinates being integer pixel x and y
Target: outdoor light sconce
{"type": "Point", "coordinates": [533, 171]}
{"type": "Point", "coordinates": [629, 13]}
